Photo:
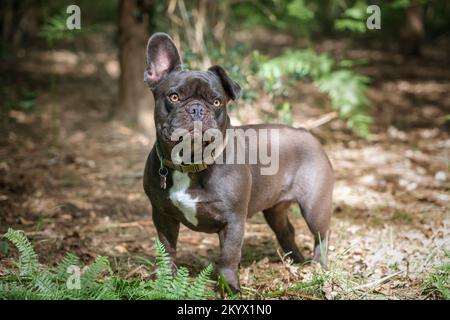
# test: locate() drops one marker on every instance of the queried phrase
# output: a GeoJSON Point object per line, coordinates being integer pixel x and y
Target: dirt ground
{"type": "Point", "coordinates": [72, 179]}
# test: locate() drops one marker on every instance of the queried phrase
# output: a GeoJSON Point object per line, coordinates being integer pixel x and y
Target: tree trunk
{"type": "Point", "coordinates": [413, 32]}
{"type": "Point", "coordinates": [18, 20]}
{"type": "Point", "coordinates": [136, 104]}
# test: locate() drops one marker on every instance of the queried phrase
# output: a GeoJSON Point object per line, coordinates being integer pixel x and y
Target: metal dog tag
{"type": "Point", "coordinates": [163, 177]}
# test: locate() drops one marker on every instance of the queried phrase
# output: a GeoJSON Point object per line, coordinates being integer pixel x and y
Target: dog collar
{"type": "Point", "coordinates": [189, 168]}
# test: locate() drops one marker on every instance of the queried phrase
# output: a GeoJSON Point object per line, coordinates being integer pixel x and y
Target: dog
{"type": "Point", "coordinates": [219, 197]}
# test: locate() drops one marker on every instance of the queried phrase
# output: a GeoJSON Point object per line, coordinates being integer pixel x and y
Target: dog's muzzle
{"type": "Point", "coordinates": [196, 111]}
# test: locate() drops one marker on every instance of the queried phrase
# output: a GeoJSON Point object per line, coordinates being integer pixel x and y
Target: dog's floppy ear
{"type": "Point", "coordinates": [162, 58]}
{"type": "Point", "coordinates": [231, 87]}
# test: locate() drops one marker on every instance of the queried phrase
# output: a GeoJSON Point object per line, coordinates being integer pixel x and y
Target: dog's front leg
{"type": "Point", "coordinates": [168, 229]}
{"type": "Point", "coordinates": [231, 238]}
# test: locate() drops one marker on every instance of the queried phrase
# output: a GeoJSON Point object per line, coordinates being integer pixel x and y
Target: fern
{"type": "Point", "coordinates": [353, 19]}
{"type": "Point", "coordinates": [16, 291]}
{"type": "Point", "coordinates": [46, 287]}
{"type": "Point", "coordinates": [347, 89]}
{"type": "Point", "coordinates": [34, 282]}
{"type": "Point", "coordinates": [181, 283]}
{"type": "Point", "coordinates": [91, 273]}
{"type": "Point", "coordinates": [103, 291]}
{"type": "Point", "coordinates": [198, 288]}
{"type": "Point", "coordinates": [164, 276]}
{"type": "Point", "coordinates": [167, 286]}
{"type": "Point", "coordinates": [69, 260]}
{"type": "Point", "coordinates": [54, 29]}
{"type": "Point", "coordinates": [28, 260]}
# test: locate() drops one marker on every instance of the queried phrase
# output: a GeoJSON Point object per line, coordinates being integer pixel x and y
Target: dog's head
{"type": "Point", "coordinates": [183, 97]}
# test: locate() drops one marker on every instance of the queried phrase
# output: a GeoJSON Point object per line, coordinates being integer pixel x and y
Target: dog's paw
{"type": "Point", "coordinates": [228, 282]}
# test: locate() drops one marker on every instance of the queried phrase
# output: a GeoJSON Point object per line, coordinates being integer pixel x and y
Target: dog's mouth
{"type": "Point", "coordinates": [193, 138]}
{"type": "Point", "coordinates": [196, 132]}
{"type": "Point", "coordinates": [181, 133]}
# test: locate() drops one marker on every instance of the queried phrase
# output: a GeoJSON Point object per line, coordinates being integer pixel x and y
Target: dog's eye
{"type": "Point", "coordinates": [216, 103]}
{"type": "Point", "coordinates": [174, 97]}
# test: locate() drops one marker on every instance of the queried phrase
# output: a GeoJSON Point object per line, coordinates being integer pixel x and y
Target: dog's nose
{"type": "Point", "coordinates": [197, 111]}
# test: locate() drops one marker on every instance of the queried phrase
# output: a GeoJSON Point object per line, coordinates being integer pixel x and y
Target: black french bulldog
{"type": "Point", "coordinates": [218, 198]}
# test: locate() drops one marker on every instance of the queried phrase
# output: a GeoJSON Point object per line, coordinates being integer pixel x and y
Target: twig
{"type": "Point", "coordinates": [35, 233]}
{"type": "Point", "coordinates": [372, 285]}
{"type": "Point", "coordinates": [314, 123]}
{"type": "Point", "coordinates": [284, 257]}
{"type": "Point", "coordinates": [132, 272]}
{"type": "Point", "coordinates": [137, 224]}
{"type": "Point", "coordinates": [187, 24]}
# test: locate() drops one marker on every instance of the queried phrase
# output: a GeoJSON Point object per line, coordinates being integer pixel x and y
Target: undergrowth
{"type": "Point", "coordinates": [346, 88]}
{"type": "Point", "coordinates": [69, 280]}
{"type": "Point", "coordinates": [438, 283]}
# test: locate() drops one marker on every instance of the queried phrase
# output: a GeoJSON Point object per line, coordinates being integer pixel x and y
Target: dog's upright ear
{"type": "Point", "coordinates": [231, 87]}
{"type": "Point", "coordinates": [162, 58]}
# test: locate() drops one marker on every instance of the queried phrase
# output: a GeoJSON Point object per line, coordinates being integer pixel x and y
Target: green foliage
{"type": "Point", "coordinates": [22, 99]}
{"type": "Point", "coordinates": [300, 10]}
{"type": "Point", "coordinates": [225, 288]}
{"type": "Point", "coordinates": [353, 19]}
{"type": "Point", "coordinates": [347, 91]}
{"type": "Point", "coordinates": [164, 277]}
{"type": "Point", "coordinates": [97, 281]}
{"type": "Point", "coordinates": [54, 29]}
{"type": "Point", "coordinates": [281, 15]}
{"type": "Point", "coordinates": [439, 281]}
{"type": "Point", "coordinates": [346, 88]}
{"type": "Point", "coordinates": [285, 112]}
{"type": "Point", "coordinates": [400, 4]}
{"type": "Point", "coordinates": [294, 63]}
{"type": "Point", "coordinates": [27, 100]}
{"type": "Point", "coordinates": [69, 260]}
{"type": "Point", "coordinates": [4, 247]}
{"type": "Point", "coordinates": [28, 261]}
{"type": "Point", "coordinates": [312, 288]}
{"type": "Point", "coordinates": [198, 287]}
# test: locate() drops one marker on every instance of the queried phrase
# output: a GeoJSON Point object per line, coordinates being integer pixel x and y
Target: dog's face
{"type": "Point", "coordinates": [183, 97]}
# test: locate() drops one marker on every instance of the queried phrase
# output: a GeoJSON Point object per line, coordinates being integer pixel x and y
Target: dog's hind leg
{"type": "Point", "coordinates": [317, 209]}
{"type": "Point", "coordinates": [278, 220]}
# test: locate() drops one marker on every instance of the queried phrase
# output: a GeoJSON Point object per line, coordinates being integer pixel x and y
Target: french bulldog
{"type": "Point", "coordinates": [220, 197]}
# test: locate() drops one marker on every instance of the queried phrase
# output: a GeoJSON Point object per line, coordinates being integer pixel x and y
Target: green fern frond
{"type": "Point", "coordinates": [130, 289]}
{"type": "Point", "coordinates": [61, 270]}
{"type": "Point", "coordinates": [46, 287]}
{"type": "Point", "coordinates": [162, 257]}
{"type": "Point", "coordinates": [103, 291]}
{"type": "Point", "coordinates": [17, 291]}
{"type": "Point", "coordinates": [164, 277]}
{"type": "Point", "coordinates": [160, 295]}
{"type": "Point", "coordinates": [347, 89]}
{"type": "Point", "coordinates": [89, 276]}
{"type": "Point", "coordinates": [181, 283]}
{"type": "Point", "coordinates": [198, 291]}
{"type": "Point", "coordinates": [28, 261]}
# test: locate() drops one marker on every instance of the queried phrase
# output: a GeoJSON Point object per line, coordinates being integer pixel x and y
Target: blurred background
{"type": "Point", "coordinates": [76, 125]}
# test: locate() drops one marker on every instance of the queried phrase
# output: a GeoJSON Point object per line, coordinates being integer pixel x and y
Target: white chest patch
{"type": "Point", "coordinates": [181, 199]}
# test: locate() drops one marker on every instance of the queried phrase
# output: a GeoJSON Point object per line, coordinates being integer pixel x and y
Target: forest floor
{"type": "Point", "coordinates": [72, 179]}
